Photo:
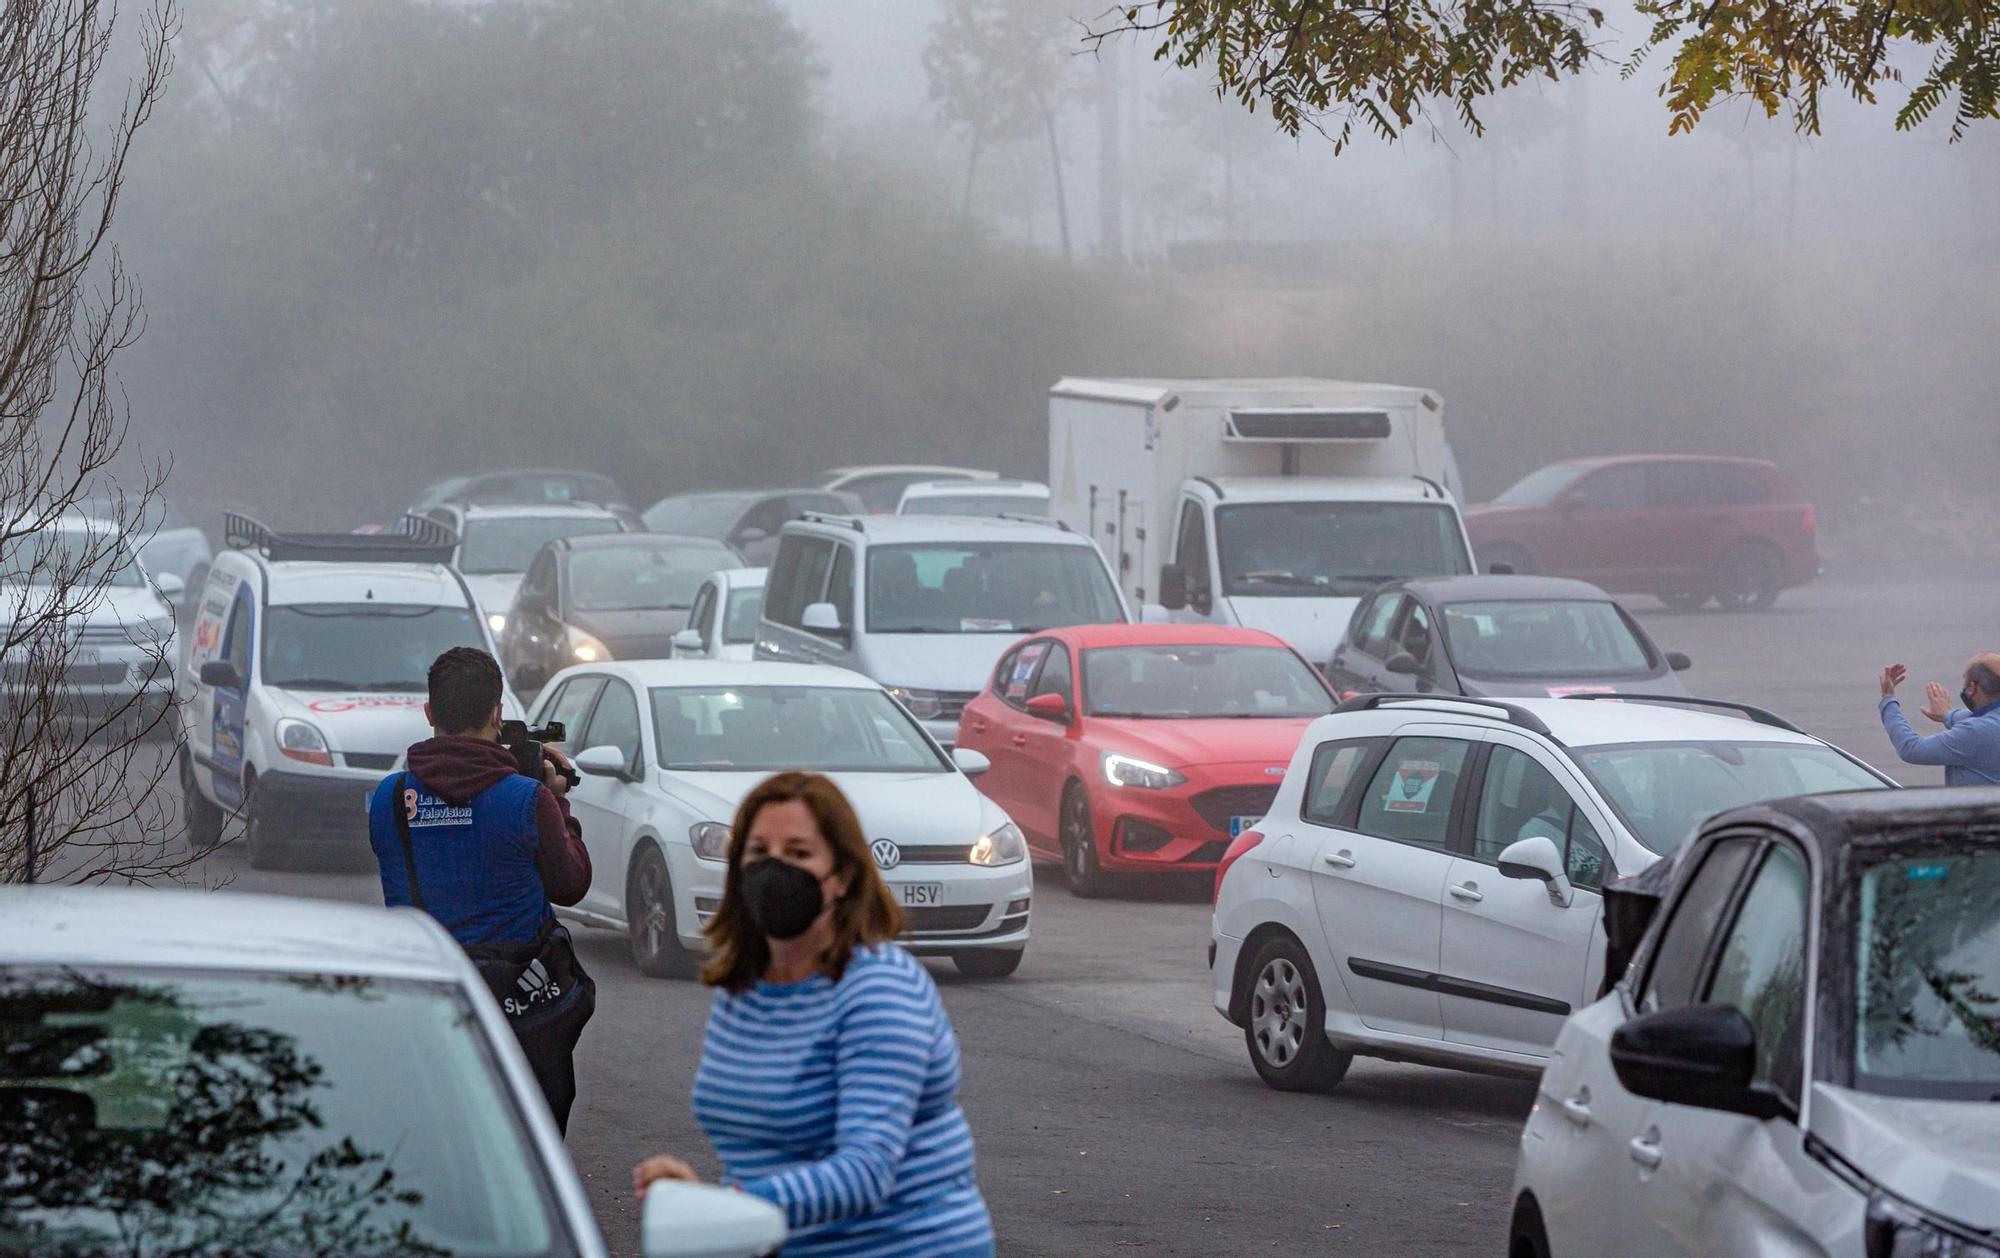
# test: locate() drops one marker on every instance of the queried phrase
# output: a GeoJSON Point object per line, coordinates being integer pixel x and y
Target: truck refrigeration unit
{"type": "Point", "coordinates": [1274, 504]}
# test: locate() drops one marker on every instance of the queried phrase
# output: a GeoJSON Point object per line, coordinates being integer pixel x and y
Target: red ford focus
{"type": "Point", "coordinates": [1123, 748]}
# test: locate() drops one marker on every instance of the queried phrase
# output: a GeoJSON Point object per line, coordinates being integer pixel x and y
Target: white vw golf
{"type": "Point", "coordinates": [668, 748]}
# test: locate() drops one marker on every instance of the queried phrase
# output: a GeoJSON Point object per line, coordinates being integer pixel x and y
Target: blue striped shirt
{"type": "Point", "coordinates": [838, 1102]}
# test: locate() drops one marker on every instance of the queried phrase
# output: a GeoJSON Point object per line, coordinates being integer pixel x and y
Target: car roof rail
{"type": "Point", "coordinates": [417, 539]}
{"type": "Point", "coordinates": [838, 521]}
{"type": "Point", "coordinates": [1212, 486]}
{"type": "Point", "coordinates": [1763, 716]}
{"type": "Point", "coordinates": [1428, 483]}
{"type": "Point", "coordinates": [1022, 517]}
{"type": "Point", "coordinates": [1514, 712]}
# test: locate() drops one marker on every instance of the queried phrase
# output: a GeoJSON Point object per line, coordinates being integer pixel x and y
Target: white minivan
{"type": "Point", "coordinates": [305, 680]}
{"type": "Point", "coordinates": [926, 604]}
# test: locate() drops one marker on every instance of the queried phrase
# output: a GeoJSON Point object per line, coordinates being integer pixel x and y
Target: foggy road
{"type": "Point", "coordinates": [1115, 1111]}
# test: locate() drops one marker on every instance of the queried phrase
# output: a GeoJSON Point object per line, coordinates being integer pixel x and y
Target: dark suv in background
{"type": "Point", "coordinates": [1686, 528]}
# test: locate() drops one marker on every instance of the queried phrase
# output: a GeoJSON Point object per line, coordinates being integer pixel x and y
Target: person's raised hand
{"type": "Point", "coordinates": [1936, 702]}
{"type": "Point", "coordinates": [553, 764]}
{"type": "Point", "coordinates": [1892, 677]}
{"type": "Point", "coordinates": [660, 1167]}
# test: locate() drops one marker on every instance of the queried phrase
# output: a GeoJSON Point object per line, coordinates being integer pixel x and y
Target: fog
{"type": "Point", "coordinates": [734, 241]}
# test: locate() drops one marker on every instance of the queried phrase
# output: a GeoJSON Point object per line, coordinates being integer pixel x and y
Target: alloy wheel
{"type": "Point", "coordinates": [1278, 1012]}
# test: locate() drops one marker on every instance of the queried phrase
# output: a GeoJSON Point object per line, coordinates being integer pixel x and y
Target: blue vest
{"type": "Point", "coordinates": [475, 862]}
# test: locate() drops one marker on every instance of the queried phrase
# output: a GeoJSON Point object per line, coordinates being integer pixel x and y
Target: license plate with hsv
{"type": "Point", "coordinates": [919, 893]}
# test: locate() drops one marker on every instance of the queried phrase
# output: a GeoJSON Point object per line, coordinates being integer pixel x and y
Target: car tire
{"type": "Point", "coordinates": [1683, 596]}
{"type": "Point", "coordinates": [259, 845]}
{"type": "Point", "coordinates": [1526, 1237]}
{"type": "Point", "coordinates": [989, 962]}
{"type": "Point", "coordinates": [1516, 557]}
{"type": "Point", "coordinates": [651, 927]}
{"type": "Point", "coordinates": [204, 820]}
{"type": "Point", "coordinates": [1087, 879]}
{"type": "Point", "coordinates": [1749, 577]}
{"type": "Point", "coordinates": [1286, 1027]}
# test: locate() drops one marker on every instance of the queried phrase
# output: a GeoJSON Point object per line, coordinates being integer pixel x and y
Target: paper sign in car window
{"type": "Point", "coordinates": [979, 624]}
{"type": "Point", "coordinates": [1410, 790]}
{"type": "Point", "coordinates": [1024, 668]}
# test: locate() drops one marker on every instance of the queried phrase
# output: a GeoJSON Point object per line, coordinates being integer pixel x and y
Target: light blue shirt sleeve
{"type": "Point", "coordinates": [1952, 747]}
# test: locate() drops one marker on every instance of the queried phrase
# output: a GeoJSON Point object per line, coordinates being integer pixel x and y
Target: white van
{"type": "Point", "coordinates": [305, 679]}
{"type": "Point", "coordinates": [926, 604]}
{"type": "Point", "coordinates": [975, 498]}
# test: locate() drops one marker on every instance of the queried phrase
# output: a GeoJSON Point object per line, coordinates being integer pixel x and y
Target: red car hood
{"type": "Point", "coordinates": [1176, 744]}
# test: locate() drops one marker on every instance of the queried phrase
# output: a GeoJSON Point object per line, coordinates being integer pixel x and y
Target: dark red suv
{"type": "Point", "coordinates": [1683, 527]}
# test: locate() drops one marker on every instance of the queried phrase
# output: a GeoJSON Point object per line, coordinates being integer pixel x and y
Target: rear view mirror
{"type": "Point", "coordinates": [170, 586]}
{"type": "Point", "coordinates": [823, 619]}
{"type": "Point", "coordinates": [222, 675]}
{"type": "Point", "coordinates": [1049, 707]}
{"type": "Point", "coordinates": [749, 536]}
{"type": "Point", "coordinates": [1403, 662]}
{"type": "Point", "coordinates": [1173, 587]}
{"type": "Point", "coordinates": [704, 1221]}
{"type": "Point", "coordinates": [1537, 858]}
{"type": "Point", "coordinates": [1679, 662]}
{"type": "Point", "coordinates": [687, 640]}
{"type": "Point", "coordinates": [1700, 1055]}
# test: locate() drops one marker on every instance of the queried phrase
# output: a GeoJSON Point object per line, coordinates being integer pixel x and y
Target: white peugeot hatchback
{"type": "Point", "coordinates": [668, 748]}
{"type": "Point", "coordinates": [1425, 885]}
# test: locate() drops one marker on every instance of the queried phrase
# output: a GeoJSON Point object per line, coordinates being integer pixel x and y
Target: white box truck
{"type": "Point", "coordinates": [1273, 504]}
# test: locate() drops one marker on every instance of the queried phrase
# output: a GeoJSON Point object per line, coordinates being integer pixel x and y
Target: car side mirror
{"type": "Point", "coordinates": [603, 761]}
{"type": "Point", "coordinates": [1679, 662]}
{"type": "Point", "coordinates": [687, 640]}
{"type": "Point", "coordinates": [971, 763]}
{"type": "Point", "coordinates": [1699, 1055]}
{"type": "Point", "coordinates": [1173, 587]}
{"type": "Point", "coordinates": [170, 586]}
{"type": "Point", "coordinates": [222, 675]}
{"type": "Point", "coordinates": [749, 536]}
{"type": "Point", "coordinates": [705, 1221]}
{"type": "Point", "coordinates": [1403, 662]}
{"type": "Point", "coordinates": [1049, 707]}
{"type": "Point", "coordinates": [823, 619]}
{"type": "Point", "coordinates": [530, 677]}
{"type": "Point", "coordinates": [1537, 858]}
{"type": "Point", "coordinates": [1501, 569]}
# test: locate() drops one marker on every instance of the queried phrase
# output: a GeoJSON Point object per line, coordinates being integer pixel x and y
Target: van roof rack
{"type": "Point", "coordinates": [1514, 712]}
{"type": "Point", "coordinates": [417, 539]}
{"type": "Point", "coordinates": [834, 518]}
{"type": "Point", "coordinates": [1022, 517]}
{"type": "Point", "coordinates": [1763, 716]}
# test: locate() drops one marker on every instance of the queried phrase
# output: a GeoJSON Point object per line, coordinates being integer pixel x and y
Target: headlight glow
{"type": "Point", "coordinates": [710, 840]}
{"type": "Point", "coordinates": [496, 621]}
{"type": "Point", "coordinates": [1129, 771]}
{"type": "Point", "coordinates": [585, 649]}
{"type": "Point", "coordinates": [925, 705]}
{"type": "Point", "coordinates": [1004, 846]}
{"type": "Point", "coordinates": [302, 741]}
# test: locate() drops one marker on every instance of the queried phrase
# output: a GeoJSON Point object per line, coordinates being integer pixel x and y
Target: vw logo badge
{"type": "Point", "coordinates": [887, 854]}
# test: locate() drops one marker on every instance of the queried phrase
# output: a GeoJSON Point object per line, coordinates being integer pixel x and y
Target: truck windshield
{"type": "Point", "coordinates": [1316, 549]}
{"type": "Point", "coordinates": [167, 1112]}
{"type": "Point", "coordinates": [361, 646]}
{"type": "Point", "coordinates": [1196, 682]}
{"type": "Point", "coordinates": [987, 587]}
{"type": "Point", "coordinates": [1927, 957]}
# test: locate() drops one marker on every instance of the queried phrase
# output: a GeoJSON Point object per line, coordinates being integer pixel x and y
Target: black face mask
{"type": "Point", "coordinates": [1968, 698]}
{"type": "Point", "coordinates": [782, 900]}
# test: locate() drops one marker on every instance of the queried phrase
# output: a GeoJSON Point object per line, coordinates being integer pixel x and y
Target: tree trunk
{"type": "Point", "coordinates": [1110, 154]}
{"type": "Point", "coordinates": [971, 169]}
{"type": "Point", "coordinates": [1055, 167]}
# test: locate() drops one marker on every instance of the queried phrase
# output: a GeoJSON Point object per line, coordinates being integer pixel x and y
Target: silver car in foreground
{"type": "Point", "coordinates": [248, 1074]}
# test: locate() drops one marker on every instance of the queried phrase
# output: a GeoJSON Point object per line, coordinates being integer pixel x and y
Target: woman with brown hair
{"type": "Point", "coordinates": [829, 1073]}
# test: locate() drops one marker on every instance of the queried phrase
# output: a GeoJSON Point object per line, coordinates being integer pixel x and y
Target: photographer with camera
{"type": "Point", "coordinates": [468, 836]}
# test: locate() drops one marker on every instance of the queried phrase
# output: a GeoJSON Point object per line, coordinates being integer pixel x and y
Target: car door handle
{"type": "Point", "coordinates": [1646, 1149]}
{"type": "Point", "coordinates": [1577, 1108]}
{"type": "Point", "coordinates": [1020, 740]}
{"type": "Point", "coordinates": [1340, 859]}
{"type": "Point", "coordinates": [1467, 891]}
{"type": "Point", "coordinates": [979, 727]}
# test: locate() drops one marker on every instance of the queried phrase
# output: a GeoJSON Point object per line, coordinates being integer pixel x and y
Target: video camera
{"type": "Point", "coordinates": [526, 744]}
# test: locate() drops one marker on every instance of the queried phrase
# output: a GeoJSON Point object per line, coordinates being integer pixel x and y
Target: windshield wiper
{"type": "Point", "coordinates": [1291, 579]}
{"type": "Point", "coordinates": [317, 683]}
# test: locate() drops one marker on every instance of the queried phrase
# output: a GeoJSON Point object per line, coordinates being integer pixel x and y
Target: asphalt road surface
{"type": "Point", "coordinates": [1115, 1112]}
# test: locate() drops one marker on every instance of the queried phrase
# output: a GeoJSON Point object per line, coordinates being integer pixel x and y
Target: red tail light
{"type": "Point", "coordinates": [1239, 845]}
{"type": "Point", "coordinates": [1809, 519]}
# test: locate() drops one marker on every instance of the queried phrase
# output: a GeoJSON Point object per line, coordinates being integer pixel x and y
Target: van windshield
{"type": "Point", "coordinates": [1317, 549]}
{"type": "Point", "coordinates": [987, 587]}
{"type": "Point", "coordinates": [361, 646]}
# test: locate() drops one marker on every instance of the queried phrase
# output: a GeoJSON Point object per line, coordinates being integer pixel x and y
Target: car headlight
{"type": "Point", "coordinates": [585, 649]}
{"type": "Point", "coordinates": [1127, 771]}
{"type": "Point", "coordinates": [497, 622]}
{"type": "Point", "coordinates": [925, 705]}
{"type": "Point", "coordinates": [710, 840]}
{"type": "Point", "coordinates": [301, 740]}
{"type": "Point", "coordinates": [1897, 1229]}
{"type": "Point", "coordinates": [1002, 847]}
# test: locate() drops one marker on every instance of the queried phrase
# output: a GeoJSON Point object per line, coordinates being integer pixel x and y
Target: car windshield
{"type": "Point", "coordinates": [1927, 1017]}
{"type": "Point", "coordinates": [1544, 638]}
{"type": "Point", "coordinates": [147, 516]}
{"type": "Point", "coordinates": [1182, 682]}
{"type": "Point", "coordinates": [739, 622]}
{"type": "Point", "coordinates": [977, 504]}
{"type": "Point", "coordinates": [762, 729]}
{"type": "Point", "coordinates": [162, 1112]}
{"type": "Point", "coordinates": [697, 515]}
{"type": "Point", "coordinates": [77, 557]}
{"type": "Point", "coordinates": [987, 587]}
{"type": "Point", "coordinates": [640, 578]}
{"type": "Point", "coordinates": [508, 546]}
{"type": "Point", "coordinates": [361, 646]}
{"type": "Point", "coordinates": [1316, 549]}
{"type": "Point", "coordinates": [1664, 790]}
{"type": "Point", "coordinates": [1539, 488]}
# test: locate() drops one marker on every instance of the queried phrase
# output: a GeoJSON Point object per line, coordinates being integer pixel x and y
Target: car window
{"type": "Point", "coordinates": [236, 643]}
{"type": "Point", "coordinates": [1586, 862]}
{"type": "Point", "coordinates": [1414, 636]}
{"type": "Point", "coordinates": [1557, 638]}
{"type": "Point", "coordinates": [1329, 777]}
{"type": "Point", "coordinates": [1676, 964]}
{"type": "Point", "coordinates": [762, 729]}
{"type": "Point", "coordinates": [1410, 798]}
{"type": "Point", "coordinates": [615, 723]}
{"type": "Point", "coordinates": [840, 584]}
{"type": "Point", "coordinates": [1762, 969]}
{"type": "Point", "coordinates": [987, 587]}
{"type": "Point", "coordinates": [1520, 800]}
{"type": "Point", "coordinates": [1357, 626]}
{"type": "Point", "coordinates": [1703, 485]}
{"type": "Point", "coordinates": [768, 516]}
{"type": "Point", "coordinates": [1664, 790]}
{"type": "Point", "coordinates": [1054, 679]}
{"type": "Point", "coordinates": [539, 586]}
{"type": "Point", "coordinates": [797, 576]}
{"type": "Point", "coordinates": [1619, 488]}
{"type": "Point", "coordinates": [701, 615]}
{"type": "Point", "coordinates": [1375, 635]}
{"type": "Point", "coordinates": [1191, 548]}
{"type": "Point", "coordinates": [1011, 679]}
{"type": "Point", "coordinates": [570, 705]}
{"type": "Point", "coordinates": [739, 616]}
{"type": "Point", "coordinates": [1926, 940]}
